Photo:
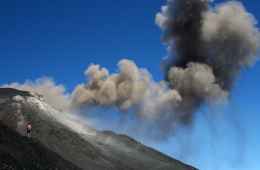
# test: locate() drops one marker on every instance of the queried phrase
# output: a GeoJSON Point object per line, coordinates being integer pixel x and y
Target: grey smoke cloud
{"type": "Point", "coordinates": [130, 88]}
{"type": "Point", "coordinates": [208, 46]}
{"type": "Point", "coordinates": [231, 41]}
{"type": "Point", "coordinates": [196, 83]}
{"type": "Point", "coordinates": [181, 22]}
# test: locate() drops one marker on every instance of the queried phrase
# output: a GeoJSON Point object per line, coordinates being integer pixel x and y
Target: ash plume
{"type": "Point", "coordinates": [231, 41]}
{"type": "Point", "coordinates": [207, 48]}
{"type": "Point", "coordinates": [130, 88]}
{"type": "Point", "coordinates": [196, 84]}
{"type": "Point", "coordinates": [218, 41]}
{"type": "Point", "coordinates": [181, 23]}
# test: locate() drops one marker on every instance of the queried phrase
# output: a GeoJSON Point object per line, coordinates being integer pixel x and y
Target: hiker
{"type": "Point", "coordinates": [29, 129]}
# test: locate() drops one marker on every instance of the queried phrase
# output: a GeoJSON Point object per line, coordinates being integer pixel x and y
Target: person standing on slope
{"type": "Point", "coordinates": [29, 130]}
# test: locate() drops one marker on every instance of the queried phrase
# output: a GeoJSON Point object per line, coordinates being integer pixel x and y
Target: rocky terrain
{"type": "Point", "coordinates": [19, 153]}
{"type": "Point", "coordinates": [62, 141]}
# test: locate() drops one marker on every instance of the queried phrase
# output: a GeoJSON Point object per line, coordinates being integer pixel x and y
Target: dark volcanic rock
{"type": "Point", "coordinates": [10, 92]}
{"type": "Point", "coordinates": [21, 153]}
{"type": "Point", "coordinates": [61, 142]}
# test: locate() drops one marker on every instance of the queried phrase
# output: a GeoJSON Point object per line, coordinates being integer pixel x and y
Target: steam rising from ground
{"type": "Point", "coordinates": [207, 48]}
{"type": "Point", "coordinates": [53, 94]}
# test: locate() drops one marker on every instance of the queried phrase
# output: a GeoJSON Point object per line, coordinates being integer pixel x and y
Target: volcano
{"type": "Point", "coordinates": [60, 141]}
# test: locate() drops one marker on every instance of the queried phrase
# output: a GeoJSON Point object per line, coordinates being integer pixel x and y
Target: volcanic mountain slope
{"type": "Point", "coordinates": [60, 140]}
{"type": "Point", "coordinates": [19, 153]}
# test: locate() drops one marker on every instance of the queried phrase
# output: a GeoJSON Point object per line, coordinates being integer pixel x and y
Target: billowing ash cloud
{"type": "Point", "coordinates": [130, 88]}
{"type": "Point", "coordinates": [181, 22]}
{"type": "Point", "coordinates": [196, 83]}
{"type": "Point", "coordinates": [231, 41]}
{"type": "Point", "coordinates": [207, 48]}
{"type": "Point", "coordinates": [53, 94]}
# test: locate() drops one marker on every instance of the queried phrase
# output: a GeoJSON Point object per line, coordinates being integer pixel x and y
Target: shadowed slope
{"type": "Point", "coordinates": [62, 134]}
{"type": "Point", "coordinates": [20, 153]}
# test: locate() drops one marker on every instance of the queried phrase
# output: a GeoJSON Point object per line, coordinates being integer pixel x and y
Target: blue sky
{"type": "Point", "coordinates": [60, 38]}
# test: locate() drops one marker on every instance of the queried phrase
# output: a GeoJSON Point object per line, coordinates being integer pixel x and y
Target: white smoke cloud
{"type": "Point", "coordinates": [53, 94]}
